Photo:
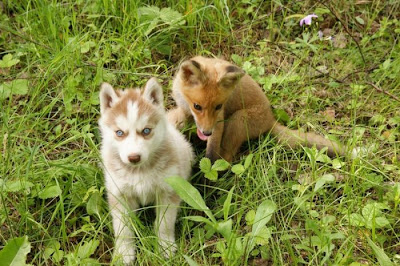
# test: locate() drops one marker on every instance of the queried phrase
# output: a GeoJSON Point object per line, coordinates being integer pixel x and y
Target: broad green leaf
{"type": "Point", "coordinates": [321, 157]}
{"type": "Point", "coordinates": [320, 11]}
{"type": "Point", "coordinates": [359, 132]}
{"type": "Point", "coordinates": [85, 47]}
{"type": "Point", "coordinates": [149, 18]}
{"type": "Point", "coordinates": [53, 250]}
{"type": "Point", "coordinates": [381, 222]}
{"type": "Point", "coordinates": [88, 248]}
{"type": "Point", "coordinates": [317, 242]}
{"type": "Point", "coordinates": [171, 16]}
{"type": "Point", "coordinates": [190, 261]}
{"type": "Point", "coordinates": [149, 12]}
{"type": "Point", "coordinates": [386, 64]}
{"type": "Point", "coordinates": [238, 169]}
{"type": "Point", "coordinates": [337, 235]}
{"type": "Point", "coordinates": [93, 205]}
{"type": "Point", "coordinates": [15, 251]}
{"type": "Point", "coordinates": [50, 192]}
{"type": "Point", "coordinates": [212, 175]}
{"type": "Point", "coordinates": [48, 252]}
{"type": "Point", "coordinates": [220, 165]}
{"type": "Point", "coordinates": [356, 219]}
{"type": "Point", "coordinates": [205, 165]}
{"type": "Point", "coordinates": [236, 59]}
{"type": "Point", "coordinates": [360, 20]}
{"type": "Point", "coordinates": [323, 180]}
{"type": "Point", "coordinates": [189, 194]}
{"type": "Point", "coordinates": [263, 215]}
{"type": "Point", "coordinates": [371, 211]}
{"type": "Point", "coordinates": [380, 254]}
{"type": "Point", "coordinates": [313, 226]}
{"type": "Point", "coordinates": [225, 228]}
{"type": "Point", "coordinates": [288, 237]}
{"type": "Point", "coordinates": [311, 153]}
{"type": "Point", "coordinates": [328, 219]}
{"type": "Point", "coordinates": [248, 160]}
{"type": "Point", "coordinates": [58, 255]}
{"type": "Point", "coordinates": [263, 236]}
{"type": "Point", "coordinates": [15, 87]}
{"type": "Point", "coordinates": [17, 185]}
{"type": "Point", "coordinates": [250, 216]}
{"type": "Point", "coordinates": [227, 203]}
{"type": "Point", "coordinates": [8, 61]}
{"type": "Point", "coordinates": [337, 163]}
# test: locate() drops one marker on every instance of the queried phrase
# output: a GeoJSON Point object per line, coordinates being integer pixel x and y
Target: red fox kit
{"type": "Point", "coordinates": [229, 107]}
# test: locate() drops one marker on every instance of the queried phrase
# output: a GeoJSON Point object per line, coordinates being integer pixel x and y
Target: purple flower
{"type": "Point", "coordinates": [307, 19]}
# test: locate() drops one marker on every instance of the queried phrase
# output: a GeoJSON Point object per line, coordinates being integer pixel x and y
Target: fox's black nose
{"type": "Point", "coordinates": [207, 133]}
{"type": "Point", "coordinates": [134, 158]}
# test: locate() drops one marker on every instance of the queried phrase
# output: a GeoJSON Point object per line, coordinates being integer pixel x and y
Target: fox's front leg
{"type": "Point", "coordinates": [243, 125]}
{"type": "Point", "coordinates": [177, 117]}
{"type": "Point", "coordinates": [166, 212]}
{"type": "Point", "coordinates": [124, 244]}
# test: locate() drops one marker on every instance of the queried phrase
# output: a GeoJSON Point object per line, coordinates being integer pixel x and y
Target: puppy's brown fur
{"type": "Point", "coordinates": [233, 108]}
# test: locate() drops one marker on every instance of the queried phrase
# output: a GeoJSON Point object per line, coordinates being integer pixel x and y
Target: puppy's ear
{"type": "Point", "coordinates": [153, 92]}
{"type": "Point", "coordinates": [190, 72]}
{"type": "Point", "coordinates": [108, 97]}
{"type": "Point", "coordinates": [232, 77]}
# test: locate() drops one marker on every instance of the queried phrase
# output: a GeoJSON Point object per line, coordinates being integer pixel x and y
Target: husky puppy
{"type": "Point", "coordinates": [139, 149]}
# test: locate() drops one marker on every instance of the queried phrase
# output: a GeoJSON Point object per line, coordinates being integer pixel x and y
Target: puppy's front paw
{"type": "Point", "coordinates": [126, 252]}
{"type": "Point", "coordinates": [167, 248]}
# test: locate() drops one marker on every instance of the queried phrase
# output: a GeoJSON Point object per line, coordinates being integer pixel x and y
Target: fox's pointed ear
{"type": "Point", "coordinates": [232, 77]}
{"type": "Point", "coordinates": [153, 92]}
{"type": "Point", "coordinates": [108, 97]}
{"type": "Point", "coordinates": [190, 72]}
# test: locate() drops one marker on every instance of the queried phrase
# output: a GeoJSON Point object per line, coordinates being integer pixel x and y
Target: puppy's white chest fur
{"type": "Point", "coordinates": [141, 186]}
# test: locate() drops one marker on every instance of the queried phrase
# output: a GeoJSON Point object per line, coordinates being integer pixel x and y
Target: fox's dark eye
{"type": "Point", "coordinates": [146, 131]}
{"type": "Point", "coordinates": [119, 133]}
{"type": "Point", "coordinates": [218, 107]}
{"type": "Point", "coordinates": [197, 107]}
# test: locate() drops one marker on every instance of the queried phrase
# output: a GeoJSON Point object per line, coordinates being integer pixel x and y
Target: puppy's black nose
{"type": "Point", "coordinates": [207, 133]}
{"type": "Point", "coordinates": [134, 158]}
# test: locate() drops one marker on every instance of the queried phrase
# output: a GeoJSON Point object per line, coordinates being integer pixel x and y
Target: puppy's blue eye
{"type": "Point", "coordinates": [119, 133]}
{"type": "Point", "coordinates": [146, 131]}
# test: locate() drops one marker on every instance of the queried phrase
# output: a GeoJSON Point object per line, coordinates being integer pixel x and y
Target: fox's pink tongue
{"type": "Point", "coordinates": [201, 135]}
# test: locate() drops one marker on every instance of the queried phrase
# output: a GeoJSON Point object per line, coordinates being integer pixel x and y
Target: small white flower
{"type": "Point", "coordinates": [307, 19]}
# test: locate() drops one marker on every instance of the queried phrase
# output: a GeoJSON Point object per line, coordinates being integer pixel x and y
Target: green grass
{"type": "Point", "coordinates": [51, 185]}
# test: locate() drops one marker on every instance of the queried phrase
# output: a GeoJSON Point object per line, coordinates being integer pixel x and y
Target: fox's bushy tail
{"type": "Point", "coordinates": [296, 138]}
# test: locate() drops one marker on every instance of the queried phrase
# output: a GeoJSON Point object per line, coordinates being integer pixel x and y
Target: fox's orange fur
{"type": "Point", "coordinates": [203, 84]}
